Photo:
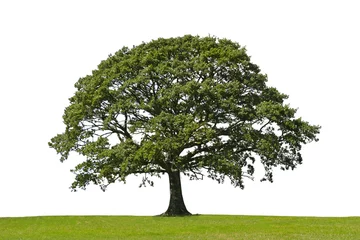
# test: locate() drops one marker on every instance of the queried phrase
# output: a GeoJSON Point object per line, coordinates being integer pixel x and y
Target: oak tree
{"type": "Point", "coordinates": [192, 105]}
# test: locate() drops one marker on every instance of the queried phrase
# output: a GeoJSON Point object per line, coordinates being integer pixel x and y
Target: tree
{"type": "Point", "coordinates": [189, 105]}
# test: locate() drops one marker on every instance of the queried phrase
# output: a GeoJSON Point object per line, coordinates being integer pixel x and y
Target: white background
{"type": "Point", "coordinates": [309, 49]}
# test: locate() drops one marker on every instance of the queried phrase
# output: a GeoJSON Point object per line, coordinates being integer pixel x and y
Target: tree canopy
{"type": "Point", "coordinates": [192, 105]}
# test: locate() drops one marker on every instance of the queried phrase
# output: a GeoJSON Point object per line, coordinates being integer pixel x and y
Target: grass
{"type": "Point", "coordinates": [194, 227]}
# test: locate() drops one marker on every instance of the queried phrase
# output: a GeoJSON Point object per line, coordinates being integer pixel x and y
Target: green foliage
{"type": "Point", "coordinates": [194, 227]}
{"type": "Point", "coordinates": [197, 105]}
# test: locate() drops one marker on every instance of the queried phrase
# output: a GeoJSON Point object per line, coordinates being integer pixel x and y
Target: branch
{"type": "Point", "coordinates": [243, 174]}
{"type": "Point", "coordinates": [264, 125]}
{"type": "Point", "coordinates": [149, 171]}
{"type": "Point", "coordinates": [107, 134]}
{"type": "Point", "coordinates": [195, 174]}
{"type": "Point", "coordinates": [119, 129]}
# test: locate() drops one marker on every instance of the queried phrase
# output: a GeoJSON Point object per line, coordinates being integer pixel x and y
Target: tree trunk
{"type": "Point", "coordinates": [176, 205]}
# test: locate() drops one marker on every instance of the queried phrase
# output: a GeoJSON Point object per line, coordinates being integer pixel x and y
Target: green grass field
{"type": "Point", "coordinates": [194, 227]}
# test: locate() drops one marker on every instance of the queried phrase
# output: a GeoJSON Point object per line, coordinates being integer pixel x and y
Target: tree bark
{"type": "Point", "coordinates": [176, 205]}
